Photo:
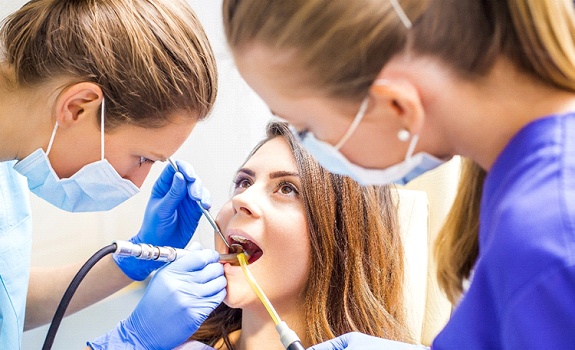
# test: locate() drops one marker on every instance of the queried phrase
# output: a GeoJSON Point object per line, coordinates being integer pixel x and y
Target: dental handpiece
{"type": "Point", "coordinates": [145, 251]}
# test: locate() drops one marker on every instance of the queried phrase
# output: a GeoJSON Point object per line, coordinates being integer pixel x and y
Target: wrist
{"type": "Point", "coordinates": [118, 338]}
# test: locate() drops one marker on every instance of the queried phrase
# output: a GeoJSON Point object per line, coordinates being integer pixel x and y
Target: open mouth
{"type": "Point", "coordinates": [252, 250]}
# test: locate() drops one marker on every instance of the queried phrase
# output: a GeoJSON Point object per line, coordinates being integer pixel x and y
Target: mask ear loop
{"type": "Point", "coordinates": [51, 139]}
{"type": "Point", "coordinates": [411, 147]}
{"type": "Point", "coordinates": [401, 14]}
{"type": "Point", "coordinates": [102, 127]}
{"type": "Point", "coordinates": [354, 124]}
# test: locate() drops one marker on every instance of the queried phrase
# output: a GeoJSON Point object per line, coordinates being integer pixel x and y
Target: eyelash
{"type": "Point", "coordinates": [240, 180]}
{"type": "Point", "coordinates": [290, 185]}
{"type": "Point", "coordinates": [144, 160]}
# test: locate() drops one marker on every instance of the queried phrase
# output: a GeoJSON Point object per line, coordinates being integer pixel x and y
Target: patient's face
{"type": "Point", "coordinates": [266, 215]}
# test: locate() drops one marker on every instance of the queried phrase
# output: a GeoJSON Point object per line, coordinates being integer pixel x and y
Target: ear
{"type": "Point", "coordinates": [78, 103]}
{"type": "Point", "coordinates": [401, 99]}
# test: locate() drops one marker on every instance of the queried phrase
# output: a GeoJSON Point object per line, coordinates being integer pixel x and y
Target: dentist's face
{"type": "Point", "coordinates": [266, 214]}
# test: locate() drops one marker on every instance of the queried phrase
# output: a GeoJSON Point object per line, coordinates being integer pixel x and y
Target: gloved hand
{"type": "Point", "coordinates": [178, 299]}
{"type": "Point", "coordinates": [360, 341]}
{"type": "Point", "coordinates": [171, 217]}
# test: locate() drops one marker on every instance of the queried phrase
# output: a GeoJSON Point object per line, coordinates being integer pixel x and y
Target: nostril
{"type": "Point", "coordinates": [246, 210]}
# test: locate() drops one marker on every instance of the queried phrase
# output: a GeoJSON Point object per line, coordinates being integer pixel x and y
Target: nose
{"type": "Point", "coordinates": [138, 175]}
{"type": "Point", "coordinates": [246, 203]}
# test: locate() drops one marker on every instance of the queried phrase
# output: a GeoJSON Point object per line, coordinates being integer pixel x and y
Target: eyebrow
{"type": "Point", "coordinates": [273, 175]}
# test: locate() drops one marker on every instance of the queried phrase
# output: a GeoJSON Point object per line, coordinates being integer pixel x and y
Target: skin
{"type": "Point", "coordinates": [451, 115]}
{"type": "Point", "coordinates": [26, 124]}
{"type": "Point", "coordinates": [266, 196]}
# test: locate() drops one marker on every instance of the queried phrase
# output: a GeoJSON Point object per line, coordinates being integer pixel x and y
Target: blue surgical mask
{"type": "Point", "coordinates": [95, 187]}
{"type": "Point", "coordinates": [331, 158]}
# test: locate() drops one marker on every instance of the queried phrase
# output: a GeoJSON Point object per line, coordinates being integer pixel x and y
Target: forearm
{"type": "Point", "coordinates": [47, 286]}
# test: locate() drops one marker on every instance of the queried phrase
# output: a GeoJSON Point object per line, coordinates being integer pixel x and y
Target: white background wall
{"type": "Point", "coordinates": [215, 148]}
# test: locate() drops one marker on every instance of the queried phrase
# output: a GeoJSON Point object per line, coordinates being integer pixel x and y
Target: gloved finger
{"type": "Point", "coordinates": [187, 170]}
{"type": "Point", "coordinates": [208, 273]}
{"type": "Point", "coordinates": [212, 289]}
{"type": "Point", "coordinates": [176, 193]}
{"type": "Point", "coordinates": [195, 189]}
{"type": "Point", "coordinates": [195, 261]}
{"type": "Point", "coordinates": [194, 246]}
{"type": "Point", "coordinates": [164, 182]}
{"type": "Point", "coordinates": [339, 343]}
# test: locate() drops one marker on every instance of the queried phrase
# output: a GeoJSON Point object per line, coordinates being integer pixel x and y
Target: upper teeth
{"type": "Point", "coordinates": [239, 239]}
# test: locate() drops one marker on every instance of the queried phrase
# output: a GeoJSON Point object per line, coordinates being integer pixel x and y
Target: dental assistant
{"type": "Point", "coordinates": [386, 90]}
{"type": "Point", "coordinates": [92, 93]}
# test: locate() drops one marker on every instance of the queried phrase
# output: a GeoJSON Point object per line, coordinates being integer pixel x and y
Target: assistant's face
{"type": "Point", "coordinates": [130, 149]}
{"type": "Point", "coordinates": [267, 215]}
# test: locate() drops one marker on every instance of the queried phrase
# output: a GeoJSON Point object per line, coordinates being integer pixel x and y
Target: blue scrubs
{"type": "Point", "coordinates": [523, 291]}
{"type": "Point", "coordinates": [15, 250]}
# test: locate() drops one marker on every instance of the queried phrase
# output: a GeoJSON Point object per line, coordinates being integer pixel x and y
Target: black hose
{"type": "Point", "coordinates": [61, 310]}
{"type": "Point", "coordinates": [296, 345]}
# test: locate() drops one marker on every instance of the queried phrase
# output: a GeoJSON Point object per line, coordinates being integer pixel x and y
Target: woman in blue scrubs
{"type": "Point", "coordinates": [386, 90]}
{"type": "Point", "coordinates": [92, 93]}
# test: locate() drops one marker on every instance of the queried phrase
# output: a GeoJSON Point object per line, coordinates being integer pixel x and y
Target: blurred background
{"type": "Point", "coordinates": [216, 148]}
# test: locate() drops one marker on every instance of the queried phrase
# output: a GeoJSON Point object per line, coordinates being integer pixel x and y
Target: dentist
{"type": "Point", "coordinates": [94, 92]}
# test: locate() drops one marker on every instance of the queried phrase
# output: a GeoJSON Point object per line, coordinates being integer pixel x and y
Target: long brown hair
{"type": "Point", "coordinates": [342, 46]}
{"type": "Point", "coordinates": [150, 57]}
{"type": "Point", "coordinates": [356, 277]}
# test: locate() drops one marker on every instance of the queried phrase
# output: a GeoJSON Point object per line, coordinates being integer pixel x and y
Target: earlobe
{"type": "Point", "coordinates": [77, 103]}
{"type": "Point", "coordinates": [402, 99]}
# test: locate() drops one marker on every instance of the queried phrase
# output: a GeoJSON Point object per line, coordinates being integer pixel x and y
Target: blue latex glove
{"type": "Point", "coordinates": [360, 341]}
{"type": "Point", "coordinates": [171, 217]}
{"type": "Point", "coordinates": [178, 299]}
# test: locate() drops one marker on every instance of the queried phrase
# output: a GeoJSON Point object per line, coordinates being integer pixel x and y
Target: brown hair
{"type": "Point", "coordinates": [356, 278]}
{"type": "Point", "coordinates": [150, 57]}
{"type": "Point", "coordinates": [343, 45]}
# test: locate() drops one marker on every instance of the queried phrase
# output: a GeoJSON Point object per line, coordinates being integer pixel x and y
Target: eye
{"type": "Point", "coordinates": [287, 188]}
{"type": "Point", "coordinates": [144, 160]}
{"type": "Point", "coordinates": [241, 182]}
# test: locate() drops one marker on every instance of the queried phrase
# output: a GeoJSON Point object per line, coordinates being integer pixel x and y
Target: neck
{"type": "Point", "coordinates": [478, 118]}
{"type": "Point", "coordinates": [24, 126]}
{"type": "Point", "coordinates": [258, 329]}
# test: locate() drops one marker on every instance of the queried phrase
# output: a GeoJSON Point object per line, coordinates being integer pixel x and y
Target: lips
{"type": "Point", "coordinates": [251, 249]}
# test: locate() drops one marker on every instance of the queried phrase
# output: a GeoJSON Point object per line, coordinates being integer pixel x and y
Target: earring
{"type": "Point", "coordinates": [403, 135]}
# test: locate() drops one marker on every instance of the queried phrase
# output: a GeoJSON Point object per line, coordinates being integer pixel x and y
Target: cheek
{"type": "Point", "coordinates": [290, 252]}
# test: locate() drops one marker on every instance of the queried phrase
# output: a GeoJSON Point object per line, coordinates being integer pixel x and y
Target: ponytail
{"type": "Point", "coordinates": [540, 42]}
{"type": "Point", "coordinates": [546, 32]}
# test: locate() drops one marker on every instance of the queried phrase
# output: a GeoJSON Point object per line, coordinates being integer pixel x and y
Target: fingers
{"type": "Point", "coordinates": [164, 182]}
{"type": "Point", "coordinates": [195, 261]}
{"type": "Point", "coordinates": [212, 289]}
{"type": "Point", "coordinates": [196, 189]}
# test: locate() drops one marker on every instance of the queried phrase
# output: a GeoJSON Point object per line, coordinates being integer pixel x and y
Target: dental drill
{"type": "Point", "coordinates": [145, 251]}
{"type": "Point", "coordinates": [123, 248]}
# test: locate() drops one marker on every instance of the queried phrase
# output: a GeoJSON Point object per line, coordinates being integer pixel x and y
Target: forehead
{"type": "Point", "coordinates": [274, 155]}
{"type": "Point", "coordinates": [287, 91]}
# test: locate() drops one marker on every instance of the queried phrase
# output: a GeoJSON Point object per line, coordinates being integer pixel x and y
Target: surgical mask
{"type": "Point", "coordinates": [331, 158]}
{"type": "Point", "coordinates": [95, 187]}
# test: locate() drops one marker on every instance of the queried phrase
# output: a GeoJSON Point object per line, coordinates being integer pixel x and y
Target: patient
{"type": "Point", "coordinates": [326, 251]}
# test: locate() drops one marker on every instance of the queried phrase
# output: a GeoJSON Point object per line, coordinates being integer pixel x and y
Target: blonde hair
{"type": "Point", "coordinates": [342, 45]}
{"type": "Point", "coordinates": [356, 278]}
{"type": "Point", "coordinates": [150, 57]}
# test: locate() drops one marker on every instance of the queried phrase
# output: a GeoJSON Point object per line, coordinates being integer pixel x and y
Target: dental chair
{"type": "Point", "coordinates": [423, 206]}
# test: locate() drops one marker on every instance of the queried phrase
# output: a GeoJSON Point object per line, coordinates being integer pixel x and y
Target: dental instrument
{"type": "Point", "coordinates": [288, 337]}
{"type": "Point", "coordinates": [125, 248]}
{"type": "Point", "coordinates": [206, 213]}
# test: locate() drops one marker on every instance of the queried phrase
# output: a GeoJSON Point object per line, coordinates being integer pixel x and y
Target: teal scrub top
{"type": "Point", "coordinates": [15, 251]}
